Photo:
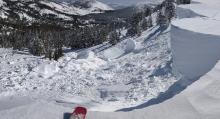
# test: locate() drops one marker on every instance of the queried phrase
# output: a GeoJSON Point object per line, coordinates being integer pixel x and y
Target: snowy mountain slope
{"type": "Point", "coordinates": [92, 5]}
{"type": "Point", "coordinates": [81, 7]}
{"type": "Point", "coordinates": [32, 10]}
{"type": "Point", "coordinates": [121, 3]}
{"type": "Point", "coordinates": [194, 51]}
{"type": "Point", "coordinates": [96, 77]}
{"type": "Point", "coordinates": [93, 77]}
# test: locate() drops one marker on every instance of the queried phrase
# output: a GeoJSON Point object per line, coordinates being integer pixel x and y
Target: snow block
{"type": "Point", "coordinates": [85, 55]}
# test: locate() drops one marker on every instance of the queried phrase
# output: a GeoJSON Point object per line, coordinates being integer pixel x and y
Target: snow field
{"type": "Point", "coordinates": [184, 105]}
{"type": "Point", "coordinates": [126, 74]}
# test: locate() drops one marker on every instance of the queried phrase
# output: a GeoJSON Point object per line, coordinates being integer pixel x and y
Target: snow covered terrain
{"type": "Point", "coordinates": [78, 7]}
{"type": "Point", "coordinates": [196, 38]}
{"type": "Point", "coordinates": [122, 3]}
{"type": "Point", "coordinates": [128, 74]}
{"type": "Point", "coordinates": [195, 52]}
{"type": "Point", "coordinates": [32, 9]}
{"type": "Point", "coordinates": [198, 101]}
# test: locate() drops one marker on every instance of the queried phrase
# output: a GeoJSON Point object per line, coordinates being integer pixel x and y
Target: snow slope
{"type": "Point", "coordinates": [201, 100]}
{"type": "Point", "coordinates": [196, 38]}
{"type": "Point", "coordinates": [31, 10]}
{"type": "Point", "coordinates": [194, 53]}
{"type": "Point", "coordinates": [101, 79]}
{"type": "Point", "coordinates": [127, 74]}
{"type": "Point", "coordinates": [207, 24]}
{"type": "Point", "coordinates": [77, 8]}
{"type": "Point", "coordinates": [121, 3]}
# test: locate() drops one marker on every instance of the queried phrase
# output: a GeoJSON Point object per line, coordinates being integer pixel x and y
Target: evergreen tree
{"type": "Point", "coordinates": [162, 19]}
{"type": "Point", "coordinates": [170, 9]}
{"type": "Point", "coordinates": [114, 37]}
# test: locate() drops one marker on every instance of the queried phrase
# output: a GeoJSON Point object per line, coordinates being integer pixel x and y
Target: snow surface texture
{"type": "Point", "coordinates": [61, 10]}
{"type": "Point", "coordinates": [130, 73]}
{"type": "Point", "coordinates": [201, 100]}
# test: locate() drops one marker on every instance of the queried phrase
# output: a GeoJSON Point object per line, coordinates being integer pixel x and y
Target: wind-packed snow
{"type": "Point", "coordinates": [196, 39]}
{"type": "Point", "coordinates": [200, 24]}
{"type": "Point", "coordinates": [208, 24]}
{"type": "Point", "coordinates": [194, 53]}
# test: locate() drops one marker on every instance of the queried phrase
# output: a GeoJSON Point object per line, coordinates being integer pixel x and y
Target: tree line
{"type": "Point", "coordinates": [48, 39]}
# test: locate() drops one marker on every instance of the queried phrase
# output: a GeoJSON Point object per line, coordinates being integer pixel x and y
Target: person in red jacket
{"type": "Point", "coordinates": [79, 113]}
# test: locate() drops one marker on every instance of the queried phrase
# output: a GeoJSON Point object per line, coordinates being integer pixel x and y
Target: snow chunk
{"type": "Point", "coordinates": [113, 53]}
{"type": "Point", "coordinates": [130, 45]}
{"type": "Point", "coordinates": [47, 70]}
{"type": "Point", "coordinates": [86, 55]}
{"type": "Point", "coordinates": [121, 49]}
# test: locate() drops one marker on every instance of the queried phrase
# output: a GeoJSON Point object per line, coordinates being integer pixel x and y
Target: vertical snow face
{"type": "Point", "coordinates": [130, 73]}
{"type": "Point", "coordinates": [195, 38]}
